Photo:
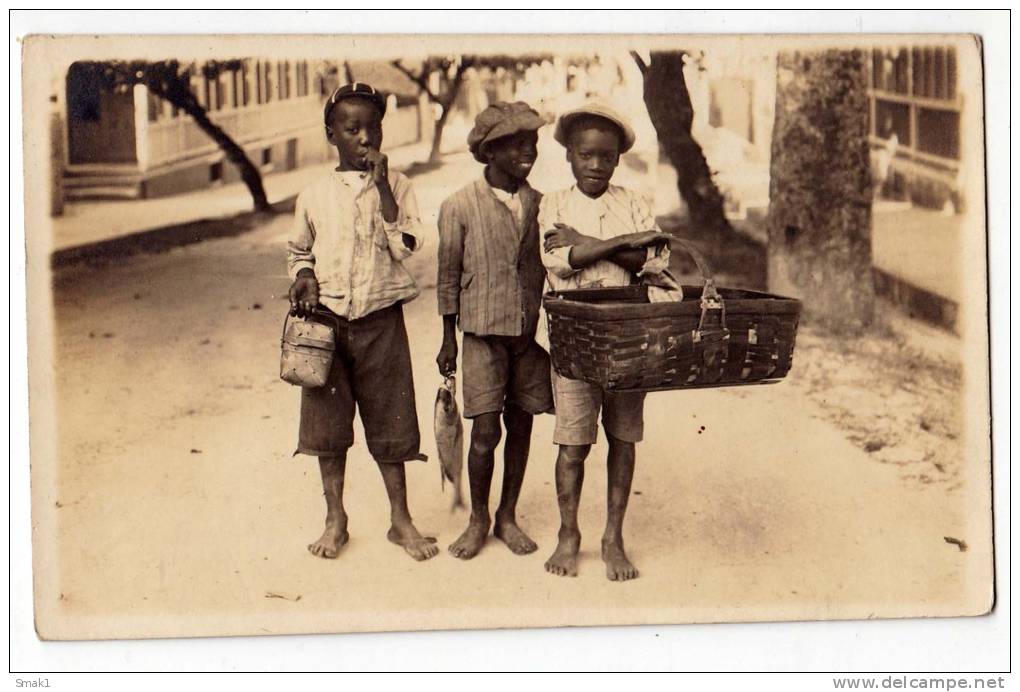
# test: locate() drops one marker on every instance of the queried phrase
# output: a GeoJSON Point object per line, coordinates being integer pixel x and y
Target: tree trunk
{"type": "Point", "coordinates": [251, 175]}
{"type": "Point", "coordinates": [446, 103]}
{"type": "Point", "coordinates": [819, 221]}
{"type": "Point", "coordinates": [437, 137]}
{"type": "Point", "coordinates": [670, 110]}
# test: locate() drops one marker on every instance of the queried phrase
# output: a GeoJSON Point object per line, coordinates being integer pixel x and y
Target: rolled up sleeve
{"type": "Point", "coordinates": [300, 241]}
{"type": "Point", "coordinates": [556, 262]}
{"type": "Point", "coordinates": [451, 259]}
{"type": "Point", "coordinates": [408, 222]}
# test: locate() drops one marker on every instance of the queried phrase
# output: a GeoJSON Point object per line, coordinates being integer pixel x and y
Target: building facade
{"type": "Point", "coordinates": [917, 116]}
{"type": "Point", "coordinates": [128, 143]}
{"type": "Point", "coordinates": [916, 111]}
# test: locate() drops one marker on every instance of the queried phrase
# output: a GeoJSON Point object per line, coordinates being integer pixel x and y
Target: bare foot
{"type": "Point", "coordinates": [414, 544]}
{"type": "Point", "coordinates": [510, 533]}
{"type": "Point", "coordinates": [563, 562]}
{"type": "Point", "coordinates": [332, 539]}
{"type": "Point", "coordinates": [471, 541]}
{"type": "Point", "coordinates": [618, 567]}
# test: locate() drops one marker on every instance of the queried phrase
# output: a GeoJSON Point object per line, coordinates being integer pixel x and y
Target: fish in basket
{"type": "Point", "coordinates": [714, 337]}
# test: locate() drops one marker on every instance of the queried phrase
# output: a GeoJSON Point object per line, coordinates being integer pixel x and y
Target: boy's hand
{"type": "Point", "coordinates": [304, 294]}
{"type": "Point", "coordinates": [563, 236]}
{"type": "Point", "coordinates": [635, 241]}
{"type": "Point", "coordinates": [447, 358]}
{"type": "Point", "coordinates": [379, 166]}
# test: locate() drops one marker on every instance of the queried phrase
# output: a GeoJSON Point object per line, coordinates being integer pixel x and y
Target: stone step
{"type": "Point", "coordinates": [96, 180]}
{"type": "Point", "coordinates": [98, 191]}
{"type": "Point", "coordinates": [102, 181]}
{"type": "Point", "coordinates": [107, 169]}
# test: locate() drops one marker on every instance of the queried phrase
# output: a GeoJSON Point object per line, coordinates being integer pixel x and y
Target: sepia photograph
{"type": "Point", "coordinates": [374, 333]}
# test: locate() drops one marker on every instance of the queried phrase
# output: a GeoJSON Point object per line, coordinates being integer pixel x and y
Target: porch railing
{"type": "Point", "coordinates": [179, 138]}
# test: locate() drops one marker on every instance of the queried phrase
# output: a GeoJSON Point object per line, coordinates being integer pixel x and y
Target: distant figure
{"type": "Point", "coordinates": [882, 158]}
{"type": "Point", "coordinates": [353, 227]}
{"type": "Point", "coordinates": [954, 203]}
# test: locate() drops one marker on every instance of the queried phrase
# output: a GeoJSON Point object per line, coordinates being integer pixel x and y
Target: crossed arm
{"type": "Point", "coordinates": [629, 251]}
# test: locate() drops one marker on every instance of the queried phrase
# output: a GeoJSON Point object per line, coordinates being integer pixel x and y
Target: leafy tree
{"type": "Point", "coordinates": [819, 220]}
{"type": "Point", "coordinates": [170, 80]}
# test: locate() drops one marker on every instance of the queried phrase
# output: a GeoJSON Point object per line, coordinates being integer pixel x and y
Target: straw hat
{"type": "Point", "coordinates": [597, 109]}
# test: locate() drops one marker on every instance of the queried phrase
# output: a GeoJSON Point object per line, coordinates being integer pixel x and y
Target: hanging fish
{"type": "Point", "coordinates": [449, 439]}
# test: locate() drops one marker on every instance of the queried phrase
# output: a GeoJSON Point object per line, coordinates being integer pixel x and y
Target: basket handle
{"type": "Point", "coordinates": [315, 312]}
{"type": "Point", "coordinates": [715, 341]}
{"type": "Point", "coordinates": [710, 298]}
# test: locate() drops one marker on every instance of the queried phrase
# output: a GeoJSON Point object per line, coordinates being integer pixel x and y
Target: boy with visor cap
{"type": "Point", "coordinates": [352, 229]}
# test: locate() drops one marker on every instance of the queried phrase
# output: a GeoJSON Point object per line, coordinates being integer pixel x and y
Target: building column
{"type": "Point", "coordinates": [248, 77]}
{"type": "Point", "coordinates": [141, 94]}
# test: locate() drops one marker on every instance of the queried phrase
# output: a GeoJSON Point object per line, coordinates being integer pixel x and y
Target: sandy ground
{"type": "Point", "coordinates": [90, 221]}
{"type": "Point", "coordinates": [895, 397]}
{"type": "Point", "coordinates": [181, 511]}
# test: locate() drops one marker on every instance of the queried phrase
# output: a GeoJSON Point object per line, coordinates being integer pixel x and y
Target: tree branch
{"type": "Point", "coordinates": [640, 61]}
{"type": "Point", "coordinates": [458, 77]}
{"type": "Point", "coordinates": [421, 80]}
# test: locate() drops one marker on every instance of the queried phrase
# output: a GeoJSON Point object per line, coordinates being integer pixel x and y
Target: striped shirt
{"type": "Point", "coordinates": [617, 211]}
{"type": "Point", "coordinates": [490, 273]}
{"type": "Point", "coordinates": [340, 234]}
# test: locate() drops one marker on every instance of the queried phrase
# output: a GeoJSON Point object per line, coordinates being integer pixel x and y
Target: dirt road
{"type": "Point", "coordinates": [181, 510]}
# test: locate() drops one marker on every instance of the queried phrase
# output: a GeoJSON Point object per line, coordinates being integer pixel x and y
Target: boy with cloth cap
{"type": "Point", "coordinates": [490, 283]}
{"type": "Point", "coordinates": [352, 229]}
{"type": "Point", "coordinates": [598, 234]}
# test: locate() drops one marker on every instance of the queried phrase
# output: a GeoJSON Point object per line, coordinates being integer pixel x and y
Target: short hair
{"type": "Point", "coordinates": [593, 121]}
{"type": "Point", "coordinates": [362, 99]}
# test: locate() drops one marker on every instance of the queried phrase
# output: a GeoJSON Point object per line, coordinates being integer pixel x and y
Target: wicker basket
{"type": "Point", "coordinates": [615, 338]}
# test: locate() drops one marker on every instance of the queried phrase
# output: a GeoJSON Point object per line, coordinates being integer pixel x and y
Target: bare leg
{"type": "Point", "coordinates": [485, 434]}
{"type": "Point", "coordinates": [569, 479]}
{"type": "Point", "coordinates": [621, 473]}
{"type": "Point", "coordinates": [335, 535]}
{"type": "Point", "coordinates": [515, 461]}
{"type": "Point", "coordinates": [402, 530]}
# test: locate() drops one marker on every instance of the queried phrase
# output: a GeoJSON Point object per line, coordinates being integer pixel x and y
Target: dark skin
{"type": "Point", "coordinates": [509, 161]}
{"type": "Point", "coordinates": [594, 152]}
{"type": "Point", "coordinates": [356, 130]}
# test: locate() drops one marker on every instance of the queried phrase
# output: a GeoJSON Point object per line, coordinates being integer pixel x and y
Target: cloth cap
{"type": "Point", "coordinates": [502, 119]}
{"type": "Point", "coordinates": [354, 90]}
{"type": "Point", "coordinates": [597, 109]}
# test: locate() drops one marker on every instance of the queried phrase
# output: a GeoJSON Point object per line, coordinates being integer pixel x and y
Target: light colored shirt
{"type": "Point", "coordinates": [339, 232]}
{"type": "Point", "coordinates": [512, 201]}
{"type": "Point", "coordinates": [618, 211]}
{"type": "Point", "coordinates": [490, 274]}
